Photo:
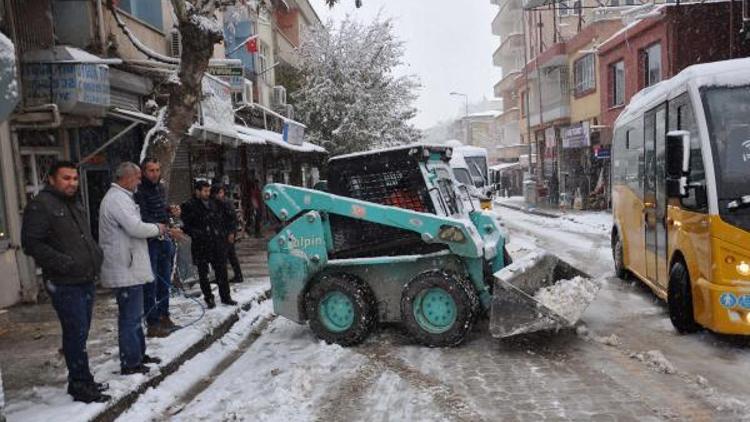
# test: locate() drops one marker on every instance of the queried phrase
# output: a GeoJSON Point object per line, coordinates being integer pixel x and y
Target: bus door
{"type": "Point", "coordinates": [654, 195]}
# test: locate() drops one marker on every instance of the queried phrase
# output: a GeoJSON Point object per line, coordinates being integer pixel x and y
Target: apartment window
{"type": "Point", "coordinates": [264, 57]}
{"type": "Point", "coordinates": [652, 65]}
{"type": "Point", "coordinates": [149, 11]}
{"type": "Point", "coordinates": [584, 74]}
{"type": "Point", "coordinates": [563, 8]}
{"type": "Point", "coordinates": [617, 78]}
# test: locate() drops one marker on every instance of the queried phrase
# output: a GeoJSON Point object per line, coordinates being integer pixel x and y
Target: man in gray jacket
{"type": "Point", "coordinates": [55, 233]}
{"type": "Point", "coordinates": [127, 267]}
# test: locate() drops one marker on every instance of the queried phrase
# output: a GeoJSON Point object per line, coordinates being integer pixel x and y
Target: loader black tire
{"type": "Point", "coordinates": [440, 285]}
{"type": "Point", "coordinates": [361, 306]}
{"type": "Point", "coordinates": [507, 259]}
{"type": "Point", "coordinates": [680, 300]}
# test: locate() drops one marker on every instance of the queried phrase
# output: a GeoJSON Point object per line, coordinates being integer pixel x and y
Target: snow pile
{"type": "Point", "coordinates": [569, 298]}
{"type": "Point", "coordinates": [612, 340]}
{"type": "Point", "coordinates": [656, 360]}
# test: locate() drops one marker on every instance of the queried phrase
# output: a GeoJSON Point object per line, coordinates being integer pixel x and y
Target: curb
{"type": "Point", "coordinates": [123, 403]}
{"type": "Point", "coordinates": [529, 211]}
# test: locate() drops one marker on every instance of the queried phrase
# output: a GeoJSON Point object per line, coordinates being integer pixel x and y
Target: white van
{"type": "Point", "coordinates": [469, 165]}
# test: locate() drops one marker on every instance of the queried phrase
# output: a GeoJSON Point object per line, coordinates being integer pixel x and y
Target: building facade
{"type": "Point", "coordinates": [92, 82]}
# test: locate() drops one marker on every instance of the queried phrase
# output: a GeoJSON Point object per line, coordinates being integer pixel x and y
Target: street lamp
{"type": "Point", "coordinates": [466, 116]}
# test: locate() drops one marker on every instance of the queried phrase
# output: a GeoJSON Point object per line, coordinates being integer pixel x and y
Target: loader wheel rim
{"type": "Point", "coordinates": [336, 312]}
{"type": "Point", "coordinates": [435, 310]}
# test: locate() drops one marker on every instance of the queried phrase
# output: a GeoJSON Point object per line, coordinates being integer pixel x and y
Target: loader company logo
{"type": "Point", "coordinates": [306, 242]}
{"type": "Point", "coordinates": [728, 300]}
{"type": "Point", "coordinates": [744, 301]}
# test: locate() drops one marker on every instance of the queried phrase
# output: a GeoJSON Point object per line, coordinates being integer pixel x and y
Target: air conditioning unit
{"type": "Point", "coordinates": [279, 95]}
{"type": "Point", "coordinates": [246, 96]}
{"type": "Point", "coordinates": [175, 43]}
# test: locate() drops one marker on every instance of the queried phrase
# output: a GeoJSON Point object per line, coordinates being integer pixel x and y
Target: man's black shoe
{"type": "Point", "coordinates": [140, 369]}
{"type": "Point", "coordinates": [229, 302]}
{"type": "Point", "coordinates": [149, 359]}
{"type": "Point", "coordinates": [210, 303]}
{"type": "Point", "coordinates": [236, 280]}
{"type": "Point", "coordinates": [87, 392]}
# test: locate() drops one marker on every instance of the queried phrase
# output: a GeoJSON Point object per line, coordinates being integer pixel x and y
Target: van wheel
{"type": "Point", "coordinates": [341, 309]}
{"type": "Point", "coordinates": [439, 309]}
{"type": "Point", "coordinates": [618, 256]}
{"type": "Point", "coordinates": [680, 300]}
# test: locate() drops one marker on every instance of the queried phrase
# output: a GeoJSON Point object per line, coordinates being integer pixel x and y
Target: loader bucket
{"type": "Point", "coordinates": [539, 292]}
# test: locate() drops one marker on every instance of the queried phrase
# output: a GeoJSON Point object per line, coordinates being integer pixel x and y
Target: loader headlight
{"type": "Point", "coordinates": [743, 268]}
{"type": "Point", "coordinates": [451, 234]}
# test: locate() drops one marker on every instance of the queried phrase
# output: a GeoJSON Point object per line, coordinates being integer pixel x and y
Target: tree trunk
{"type": "Point", "coordinates": [198, 40]}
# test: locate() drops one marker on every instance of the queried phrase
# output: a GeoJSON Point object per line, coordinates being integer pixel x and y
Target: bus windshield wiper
{"type": "Point", "coordinates": [742, 202]}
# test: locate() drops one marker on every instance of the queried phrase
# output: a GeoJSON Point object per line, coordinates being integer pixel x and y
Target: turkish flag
{"type": "Point", "coordinates": [252, 46]}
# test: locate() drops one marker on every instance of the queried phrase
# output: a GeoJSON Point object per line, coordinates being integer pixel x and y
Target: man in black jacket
{"type": "Point", "coordinates": [152, 200]}
{"type": "Point", "coordinates": [204, 222]}
{"type": "Point", "coordinates": [56, 234]}
{"type": "Point", "coordinates": [219, 192]}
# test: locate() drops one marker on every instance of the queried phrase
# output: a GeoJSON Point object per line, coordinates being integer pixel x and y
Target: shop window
{"type": "Point", "coordinates": [584, 74]}
{"type": "Point", "coordinates": [148, 11]}
{"type": "Point", "coordinates": [652, 65]}
{"type": "Point", "coordinates": [617, 77]}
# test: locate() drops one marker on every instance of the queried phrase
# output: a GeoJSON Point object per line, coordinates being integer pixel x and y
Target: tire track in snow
{"type": "Point", "coordinates": [344, 403]}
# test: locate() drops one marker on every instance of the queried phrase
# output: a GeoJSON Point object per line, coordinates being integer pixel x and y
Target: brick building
{"type": "Point", "coordinates": [660, 44]}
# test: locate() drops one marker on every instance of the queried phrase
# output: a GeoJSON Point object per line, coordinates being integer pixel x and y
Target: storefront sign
{"type": "Point", "coordinates": [294, 133]}
{"type": "Point", "coordinates": [76, 88]}
{"type": "Point", "coordinates": [216, 106]}
{"type": "Point", "coordinates": [576, 136]}
{"type": "Point", "coordinates": [602, 152]}
{"type": "Point", "coordinates": [229, 71]}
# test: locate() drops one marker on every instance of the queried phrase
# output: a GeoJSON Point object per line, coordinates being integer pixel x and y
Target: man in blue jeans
{"type": "Point", "coordinates": [56, 234]}
{"type": "Point", "coordinates": [126, 266]}
{"type": "Point", "coordinates": [152, 201]}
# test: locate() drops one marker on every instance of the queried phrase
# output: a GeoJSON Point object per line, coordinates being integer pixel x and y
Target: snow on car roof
{"type": "Point", "coordinates": [722, 73]}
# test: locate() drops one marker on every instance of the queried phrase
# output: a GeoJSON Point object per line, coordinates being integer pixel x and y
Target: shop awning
{"type": "Point", "coordinates": [132, 115]}
{"type": "Point", "coordinates": [256, 136]}
{"type": "Point", "coordinates": [65, 54]}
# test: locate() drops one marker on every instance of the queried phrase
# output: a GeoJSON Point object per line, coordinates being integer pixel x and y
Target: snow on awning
{"type": "Point", "coordinates": [253, 135]}
{"type": "Point", "coordinates": [64, 54]}
{"type": "Point", "coordinates": [505, 166]}
{"type": "Point", "coordinates": [132, 115]}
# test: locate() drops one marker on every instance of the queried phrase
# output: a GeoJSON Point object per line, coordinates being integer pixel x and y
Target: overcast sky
{"type": "Point", "coordinates": [449, 46]}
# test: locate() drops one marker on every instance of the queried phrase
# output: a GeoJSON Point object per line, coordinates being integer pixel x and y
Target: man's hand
{"type": "Point", "coordinates": [230, 238]}
{"type": "Point", "coordinates": [162, 228]}
{"type": "Point", "coordinates": [177, 234]}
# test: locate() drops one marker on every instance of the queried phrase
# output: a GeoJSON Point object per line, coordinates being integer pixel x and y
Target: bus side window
{"type": "Point", "coordinates": [696, 199]}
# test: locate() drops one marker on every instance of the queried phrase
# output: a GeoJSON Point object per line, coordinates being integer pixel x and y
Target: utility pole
{"type": "Point", "coordinates": [467, 134]}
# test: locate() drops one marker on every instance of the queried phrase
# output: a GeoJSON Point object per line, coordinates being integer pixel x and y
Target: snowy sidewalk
{"type": "Point", "coordinates": [34, 370]}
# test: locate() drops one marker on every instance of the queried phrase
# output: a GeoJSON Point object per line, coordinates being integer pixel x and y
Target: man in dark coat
{"type": "Point", "coordinates": [204, 222]}
{"type": "Point", "coordinates": [56, 234]}
{"type": "Point", "coordinates": [152, 201]}
{"type": "Point", "coordinates": [218, 192]}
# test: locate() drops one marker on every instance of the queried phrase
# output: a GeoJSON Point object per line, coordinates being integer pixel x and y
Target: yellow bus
{"type": "Point", "coordinates": [681, 195]}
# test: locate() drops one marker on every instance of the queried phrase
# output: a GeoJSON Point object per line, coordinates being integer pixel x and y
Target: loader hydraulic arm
{"type": "Point", "coordinates": [289, 202]}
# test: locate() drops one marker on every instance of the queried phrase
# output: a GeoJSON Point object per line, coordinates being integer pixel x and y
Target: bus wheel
{"type": "Point", "coordinates": [680, 300]}
{"type": "Point", "coordinates": [619, 257]}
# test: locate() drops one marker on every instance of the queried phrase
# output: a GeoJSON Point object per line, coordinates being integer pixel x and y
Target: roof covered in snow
{"type": "Point", "coordinates": [723, 73]}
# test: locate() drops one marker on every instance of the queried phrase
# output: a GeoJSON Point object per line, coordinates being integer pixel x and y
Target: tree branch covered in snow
{"type": "Point", "coordinates": [332, 3]}
{"type": "Point", "coordinates": [350, 98]}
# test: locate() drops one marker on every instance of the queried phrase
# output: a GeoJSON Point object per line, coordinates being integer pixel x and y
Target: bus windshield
{"type": "Point", "coordinates": [728, 117]}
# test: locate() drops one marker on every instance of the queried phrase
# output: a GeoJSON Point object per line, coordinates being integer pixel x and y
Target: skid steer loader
{"type": "Point", "coordinates": [394, 240]}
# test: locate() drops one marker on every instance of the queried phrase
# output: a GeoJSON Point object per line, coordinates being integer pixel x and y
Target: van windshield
{"type": "Point", "coordinates": [462, 175]}
{"type": "Point", "coordinates": [728, 116]}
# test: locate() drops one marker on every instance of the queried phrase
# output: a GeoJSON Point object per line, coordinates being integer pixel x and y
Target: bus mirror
{"type": "Point", "coordinates": [678, 163]}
